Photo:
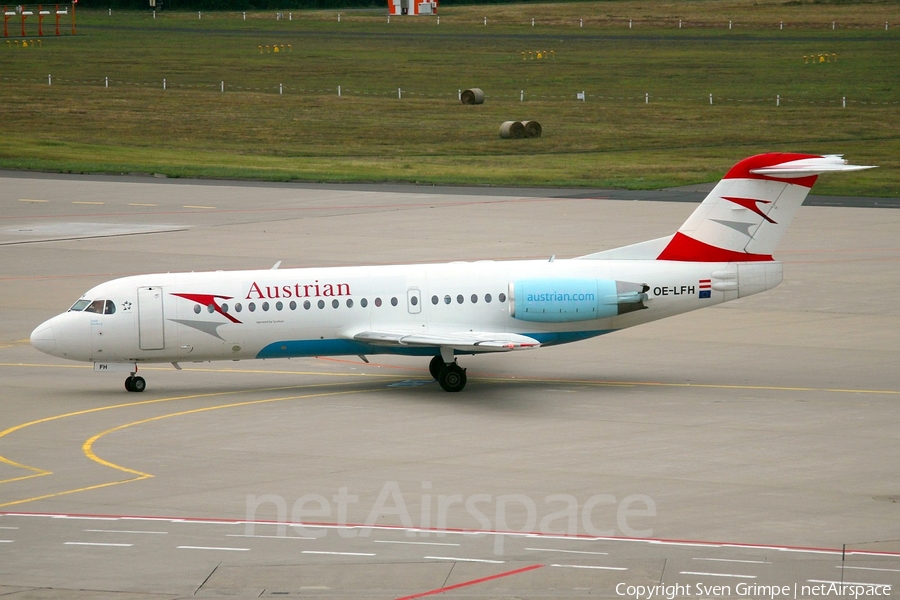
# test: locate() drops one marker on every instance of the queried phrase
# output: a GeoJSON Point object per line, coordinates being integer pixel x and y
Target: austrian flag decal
{"type": "Point", "coordinates": [705, 287]}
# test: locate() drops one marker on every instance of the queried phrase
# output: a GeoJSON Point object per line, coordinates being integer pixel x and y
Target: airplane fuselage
{"type": "Point", "coordinates": [284, 313]}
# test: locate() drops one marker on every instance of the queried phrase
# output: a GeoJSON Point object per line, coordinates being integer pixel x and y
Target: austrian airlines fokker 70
{"type": "Point", "coordinates": [722, 252]}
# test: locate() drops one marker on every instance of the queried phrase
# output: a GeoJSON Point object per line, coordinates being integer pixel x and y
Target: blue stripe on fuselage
{"type": "Point", "coordinates": [337, 347]}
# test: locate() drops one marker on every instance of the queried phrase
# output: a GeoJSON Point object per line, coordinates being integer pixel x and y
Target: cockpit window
{"type": "Point", "coordinates": [95, 307]}
{"type": "Point", "coordinates": [80, 305]}
{"type": "Point", "coordinates": [101, 307]}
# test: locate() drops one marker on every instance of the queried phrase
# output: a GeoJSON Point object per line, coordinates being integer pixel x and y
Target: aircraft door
{"type": "Point", "coordinates": [414, 301]}
{"type": "Point", "coordinates": [151, 326]}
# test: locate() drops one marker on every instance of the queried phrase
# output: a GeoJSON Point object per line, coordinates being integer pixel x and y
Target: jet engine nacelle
{"type": "Point", "coordinates": [561, 300]}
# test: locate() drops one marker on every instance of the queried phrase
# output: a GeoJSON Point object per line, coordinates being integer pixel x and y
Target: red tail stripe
{"type": "Point", "coordinates": [687, 249]}
{"type": "Point", "coordinates": [743, 168]}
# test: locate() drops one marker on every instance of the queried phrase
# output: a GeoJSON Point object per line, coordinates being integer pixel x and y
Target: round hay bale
{"type": "Point", "coordinates": [514, 130]}
{"type": "Point", "coordinates": [532, 129]}
{"type": "Point", "coordinates": [473, 96]}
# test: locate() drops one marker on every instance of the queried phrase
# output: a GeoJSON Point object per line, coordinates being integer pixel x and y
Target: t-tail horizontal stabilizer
{"type": "Point", "coordinates": [745, 216]}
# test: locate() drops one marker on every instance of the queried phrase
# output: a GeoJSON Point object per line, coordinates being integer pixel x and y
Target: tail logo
{"type": "Point", "coordinates": [752, 205]}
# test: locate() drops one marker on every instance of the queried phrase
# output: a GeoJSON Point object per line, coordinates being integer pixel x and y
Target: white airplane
{"type": "Point", "coordinates": [722, 252]}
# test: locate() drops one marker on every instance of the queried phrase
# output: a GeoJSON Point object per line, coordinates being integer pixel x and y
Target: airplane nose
{"type": "Point", "coordinates": [43, 338]}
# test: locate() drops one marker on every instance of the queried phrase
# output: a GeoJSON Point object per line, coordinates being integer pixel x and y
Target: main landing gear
{"type": "Point", "coordinates": [450, 376]}
{"type": "Point", "coordinates": [135, 384]}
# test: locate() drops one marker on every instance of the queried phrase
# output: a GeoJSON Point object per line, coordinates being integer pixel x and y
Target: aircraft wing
{"type": "Point", "coordinates": [477, 341]}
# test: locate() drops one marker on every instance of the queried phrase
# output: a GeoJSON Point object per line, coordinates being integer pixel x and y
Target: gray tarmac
{"type": "Point", "coordinates": [751, 444]}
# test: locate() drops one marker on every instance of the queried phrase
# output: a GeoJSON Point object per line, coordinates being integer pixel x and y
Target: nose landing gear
{"type": "Point", "coordinates": [135, 383]}
{"type": "Point", "coordinates": [450, 376]}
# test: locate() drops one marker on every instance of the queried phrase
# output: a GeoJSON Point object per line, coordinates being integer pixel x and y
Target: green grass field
{"type": "Point", "coordinates": [308, 132]}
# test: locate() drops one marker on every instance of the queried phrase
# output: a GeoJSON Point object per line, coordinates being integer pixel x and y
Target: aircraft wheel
{"type": "Point", "coordinates": [129, 383]}
{"type": "Point", "coordinates": [452, 378]}
{"type": "Point", "coordinates": [138, 384]}
{"type": "Point", "coordinates": [435, 366]}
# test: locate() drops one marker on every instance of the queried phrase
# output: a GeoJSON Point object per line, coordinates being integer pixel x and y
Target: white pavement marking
{"type": "Point", "coordinates": [752, 562]}
{"type": "Point", "coordinates": [6, 541]}
{"type": "Point", "coordinates": [718, 574]}
{"type": "Point", "coordinates": [567, 551]}
{"type": "Point", "coordinates": [270, 537]}
{"type": "Point", "coordinates": [338, 553]}
{"type": "Point", "coordinates": [98, 544]}
{"type": "Point", "coordinates": [415, 543]}
{"type": "Point", "coordinates": [591, 567]}
{"type": "Point", "coordinates": [122, 531]}
{"type": "Point", "coordinates": [80, 518]}
{"type": "Point", "coordinates": [807, 550]}
{"type": "Point", "coordinates": [867, 569]}
{"type": "Point", "coordinates": [212, 548]}
{"type": "Point", "coordinates": [878, 585]}
{"type": "Point", "coordinates": [478, 560]}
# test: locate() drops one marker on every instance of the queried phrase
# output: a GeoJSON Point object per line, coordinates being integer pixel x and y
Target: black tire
{"type": "Point", "coordinates": [138, 384]}
{"type": "Point", "coordinates": [129, 383]}
{"type": "Point", "coordinates": [435, 366]}
{"type": "Point", "coordinates": [453, 378]}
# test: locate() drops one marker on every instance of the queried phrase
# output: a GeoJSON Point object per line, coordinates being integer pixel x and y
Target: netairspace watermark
{"type": "Point", "coordinates": [601, 515]}
{"type": "Point", "coordinates": [754, 590]}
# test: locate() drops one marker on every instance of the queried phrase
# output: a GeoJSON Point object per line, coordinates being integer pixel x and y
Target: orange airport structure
{"type": "Point", "coordinates": [412, 7]}
{"type": "Point", "coordinates": [24, 12]}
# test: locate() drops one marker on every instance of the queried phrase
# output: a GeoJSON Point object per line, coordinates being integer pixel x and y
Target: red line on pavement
{"type": "Point", "coordinates": [468, 583]}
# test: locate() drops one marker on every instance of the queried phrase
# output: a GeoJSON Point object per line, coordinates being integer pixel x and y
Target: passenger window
{"type": "Point", "coordinates": [238, 307]}
{"type": "Point", "coordinates": [211, 308]}
{"type": "Point", "coordinates": [110, 308]}
{"type": "Point", "coordinates": [251, 307]}
{"type": "Point", "coordinates": [394, 301]}
{"type": "Point", "coordinates": [279, 305]}
{"type": "Point", "coordinates": [224, 308]}
{"type": "Point", "coordinates": [447, 299]}
{"type": "Point", "coordinates": [487, 298]}
{"type": "Point", "coordinates": [306, 304]}
{"type": "Point", "coordinates": [364, 303]}
{"type": "Point", "coordinates": [460, 299]}
{"type": "Point", "coordinates": [501, 297]}
{"type": "Point", "coordinates": [335, 303]}
{"type": "Point", "coordinates": [349, 303]}
{"type": "Point", "coordinates": [377, 301]}
{"type": "Point", "coordinates": [321, 304]}
{"type": "Point", "coordinates": [265, 306]}
{"type": "Point", "coordinates": [293, 305]}
{"type": "Point", "coordinates": [434, 300]}
{"type": "Point", "coordinates": [197, 309]}
{"type": "Point", "coordinates": [474, 298]}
